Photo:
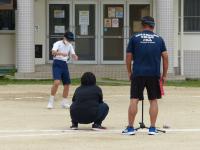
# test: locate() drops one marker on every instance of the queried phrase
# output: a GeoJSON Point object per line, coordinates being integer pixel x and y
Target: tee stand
{"type": "Point", "coordinates": [142, 125]}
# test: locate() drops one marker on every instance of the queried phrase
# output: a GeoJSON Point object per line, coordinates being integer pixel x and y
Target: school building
{"type": "Point", "coordinates": [28, 28]}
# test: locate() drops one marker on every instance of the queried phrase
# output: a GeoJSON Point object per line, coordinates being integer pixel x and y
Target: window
{"type": "Point", "coordinates": [191, 15]}
{"type": "Point", "coordinates": [7, 14]}
{"type": "Point", "coordinates": [5, 1]}
{"type": "Point", "coordinates": [7, 20]}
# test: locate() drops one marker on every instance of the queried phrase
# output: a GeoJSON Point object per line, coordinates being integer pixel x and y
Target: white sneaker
{"type": "Point", "coordinates": [50, 104]}
{"type": "Point", "coordinates": [65, 104]}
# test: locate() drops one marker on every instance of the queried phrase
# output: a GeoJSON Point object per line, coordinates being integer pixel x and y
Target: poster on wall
{"type": "Point", "coordinates": [137, 26]}
{"type": "Point", "coordinates": [84, 18]}
{"type": "Point", "coordinates": [59, 29]}
{"type": "Point", "coordinates": [115, 23]}
{"type": "Point", "coordinates": [84, 30]}
{"type": "Point", "coordinates": [59, 14]}
{"type": "Point", "coordinates": [107, 23]}
{"type": "Point", "coordinates": [119, 12]}
{"type": "Point", "coordinates": [111, 12]}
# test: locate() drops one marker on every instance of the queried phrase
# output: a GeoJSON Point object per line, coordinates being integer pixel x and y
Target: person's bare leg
{"type": "Point", "coordinates": [132, 111]}
{"type": "Point", "coordinates": [54, 88]}
{"type": "Point", "coordinates": [66, 91]}
{"type": "Point", "coordinates": [153, 112]}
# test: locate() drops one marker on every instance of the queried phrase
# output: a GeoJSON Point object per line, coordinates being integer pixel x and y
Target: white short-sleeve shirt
{"type": "Point", "coordinates": [60, 46]}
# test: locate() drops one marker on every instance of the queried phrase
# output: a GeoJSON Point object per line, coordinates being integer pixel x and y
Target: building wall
{"type": "Point", "coordinates": [191, 48]}
{"type": "Point", "coordinates": [7, 48]}
{"type": "Point", "coordinates": [191, 44]}
{"type": "Point", "coordinates": [191, 41]}
{"type": "Point", "coordinates": [40, 14]}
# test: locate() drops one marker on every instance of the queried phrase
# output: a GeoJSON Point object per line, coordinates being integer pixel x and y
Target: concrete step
{"type": "Point", "coordinates": [34, 75]}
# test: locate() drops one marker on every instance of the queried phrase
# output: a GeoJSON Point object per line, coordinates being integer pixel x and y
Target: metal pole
{"type": "Point", "coordinates": [182, 37]}
{"type": "Point", "coordinates": [142, 111]}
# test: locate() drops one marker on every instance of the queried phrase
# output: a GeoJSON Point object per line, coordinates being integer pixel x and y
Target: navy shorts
{"type": "Point", "coordinates": [61, 72]}
{"type": "Point", "coordinates": [150, 83]}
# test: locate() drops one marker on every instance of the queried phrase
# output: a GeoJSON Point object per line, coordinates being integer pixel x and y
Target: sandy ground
{"type": "Point", "coordinates": [26, 124]}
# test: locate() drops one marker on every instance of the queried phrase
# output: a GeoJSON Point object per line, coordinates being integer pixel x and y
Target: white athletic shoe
{"type": "Point", "coordinates": [50, 104]}
{"type": "Point", "coordinates": [65, 104]}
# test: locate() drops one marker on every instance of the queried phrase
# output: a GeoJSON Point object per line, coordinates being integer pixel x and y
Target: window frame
{"type": "Point", "coordinates": [188, 31]}
{"type": "Point", "coordinates": [11, 24]}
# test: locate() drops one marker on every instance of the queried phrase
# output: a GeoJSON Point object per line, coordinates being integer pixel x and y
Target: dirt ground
{"type": "Point", "coordinates": [26, 124]}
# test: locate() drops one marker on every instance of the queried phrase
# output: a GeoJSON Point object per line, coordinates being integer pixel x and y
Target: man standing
{"type": "Point", "coordinates": [146, 50]}
{"type": "Point", "coordinates": [62, 51]}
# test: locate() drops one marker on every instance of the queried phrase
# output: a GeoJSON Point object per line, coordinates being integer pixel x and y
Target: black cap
{"type": "Point", "coordinates": [148, 20]}
{"type": "Point", "coordinates": [69, 36]}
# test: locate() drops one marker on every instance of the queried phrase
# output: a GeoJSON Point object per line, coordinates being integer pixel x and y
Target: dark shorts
{"type": "Point", "coordinates": [61, 72]}
{"type": "Point", "coordinates": [150, 83]}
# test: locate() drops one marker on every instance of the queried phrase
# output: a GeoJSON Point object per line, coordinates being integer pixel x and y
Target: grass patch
{"type": "Point", "coordinates": [6, 81]}
{"type": "Point", "coordinates": [102, 82]}
{"type": "Point", "coordinates": [184, 83]}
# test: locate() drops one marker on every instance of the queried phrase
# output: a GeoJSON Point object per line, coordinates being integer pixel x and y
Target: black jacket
{"type": "Point", "coordinates": [85, 103]}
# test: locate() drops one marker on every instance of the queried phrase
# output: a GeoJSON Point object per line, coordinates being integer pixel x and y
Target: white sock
{"type": "Point", "coordinates": [51, 98]}
{"type": "Point", "coordinates": [65, 100]}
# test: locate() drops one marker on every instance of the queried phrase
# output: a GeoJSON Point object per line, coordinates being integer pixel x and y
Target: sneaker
{"type": "Point", "coordinates": [50, 104]}
{"type": "Point", "coordinates": [74, 126]}
{"type": "Point", "coordinates": [98, 127]}
{"type": "Point", "coordinates": [152, 131]}
{"type": "Point", "coordinates": [65, 104]}
{"type": "Point", "coordinates": [129, 131]}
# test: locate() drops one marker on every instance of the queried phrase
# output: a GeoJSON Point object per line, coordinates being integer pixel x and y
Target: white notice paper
{"type": "Point", "coordinates": [115, 23]}
{"type": "Point", "coordinates": [83, 17]}
{"type": "Point", "coordinates": [59, 14]}
{"type": "Point", "coordinates": [84, 30]}
{"type": "Point", "coordinates": [59, 29]}
{"type": "Point", "coordinates": [111, 12]}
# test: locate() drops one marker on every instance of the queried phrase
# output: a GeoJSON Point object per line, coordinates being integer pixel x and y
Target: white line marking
{"type": "Point", "coordinates": [34, 132]}
{"type": "Point", "coordinates": [145, 95]}
{"type": "Point", "coordinates": [196, 96]}
{"type": "Point", "coordinates": [89, 130]}
{"type": "Point", "coordinates": [30, 135]}
{"type": "Point", "coordinates": [109, 96]}
{"type": "Point", "coordinates": [18, 98]}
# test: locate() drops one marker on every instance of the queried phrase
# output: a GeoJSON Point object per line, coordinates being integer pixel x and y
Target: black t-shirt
{"type": "Point", "coordinates": [85, 104]}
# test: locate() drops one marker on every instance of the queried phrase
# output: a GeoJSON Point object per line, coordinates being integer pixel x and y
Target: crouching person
{"type": "Point", "coordinates": [87, 104]}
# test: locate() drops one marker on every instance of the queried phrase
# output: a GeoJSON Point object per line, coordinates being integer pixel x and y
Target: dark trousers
{"type": "Point", "coordinates": [101, 115]}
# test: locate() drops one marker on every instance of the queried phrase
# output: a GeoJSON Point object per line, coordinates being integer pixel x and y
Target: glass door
{"type": "Point", "coordinates": [113, 32]}
{"type": "Point", "coordinates": [85, 31]}
{"type": "Point", "coordinates": [137, 10]}
{"type": "Point", "coordinates": [59, 22]}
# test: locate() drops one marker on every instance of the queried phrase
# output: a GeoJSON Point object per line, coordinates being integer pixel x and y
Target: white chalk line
{"type": "Point", "coordinates": [168, 95]}
{"type": "Point", "coordinates": [196, 96]}
{"type": "Point", "coordinates": [34, 132]}
{"type": "Point", "coordinates": [18, 98]}
{"type": "Point", "coordinates": [110, 96]}
{"type": "Point", "coordinates": [31, 135]}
